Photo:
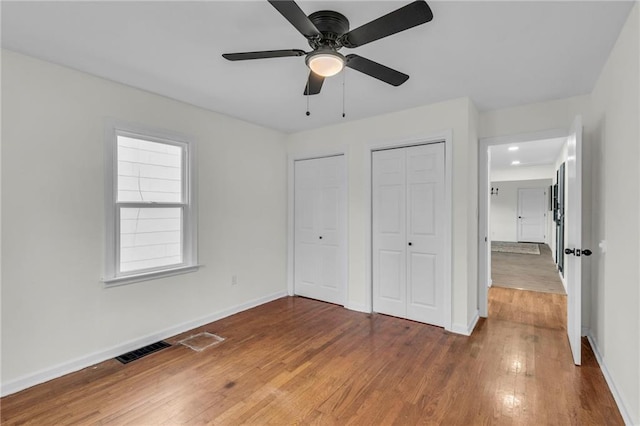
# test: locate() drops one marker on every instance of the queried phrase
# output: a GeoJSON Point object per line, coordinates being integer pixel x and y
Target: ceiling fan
{"type": "Point", "coordinates": [328, 31]}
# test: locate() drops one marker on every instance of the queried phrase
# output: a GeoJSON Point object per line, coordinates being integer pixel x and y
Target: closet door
{"type": "Point", "coordinates": [425, 233]}
{"type": "Point", "coordinates": [320, 229]}
{"type": "Point", "coordinates": [408, 232]}
{"type": "Point", "coordinates": [389, 239]}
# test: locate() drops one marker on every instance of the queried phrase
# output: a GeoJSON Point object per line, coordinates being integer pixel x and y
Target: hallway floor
{"type": "Point", "coordinates": [534, 272]}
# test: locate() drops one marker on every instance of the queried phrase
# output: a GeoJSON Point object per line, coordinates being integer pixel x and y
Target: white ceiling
{"type": "Point", "coordinates": [535, 153]}
{"type": "Point", "coordinates": [500, 54]}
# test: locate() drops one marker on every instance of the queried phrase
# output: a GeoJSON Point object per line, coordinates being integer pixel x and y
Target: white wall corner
{"type": "Point", "coordinates": [620, 402]}
{"type": "Point", "coordinates": [67, 367]}
{"type": "Point", "coordinates": [466, 330]}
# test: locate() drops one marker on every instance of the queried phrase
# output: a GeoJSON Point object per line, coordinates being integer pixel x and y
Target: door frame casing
{"type": "Point", "coordinates": [484, 183]}
{"type": "Point", "coordinates": [291, 160]}
{"type": "Point", "coordinates": [445, 137]}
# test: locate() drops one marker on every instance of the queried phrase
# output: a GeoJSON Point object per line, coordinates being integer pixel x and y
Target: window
{"type": "Point", "coordinates": [151, 227]}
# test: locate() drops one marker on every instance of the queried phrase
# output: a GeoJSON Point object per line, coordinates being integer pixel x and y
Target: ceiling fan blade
{"type": "Point", "coordinates": [376, 70]}
{"type": "Point", "coordinates": [264, 54]}
{"type": "Point", "coordinates": [314, 84]}
{"type": "Point", "coordinates": [406, 17]}
{"type": "Point", "coordinates": [292, 13]}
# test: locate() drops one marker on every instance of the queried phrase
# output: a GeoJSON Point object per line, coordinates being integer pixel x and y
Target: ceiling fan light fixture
{"type": "Point", "coordinates": [325, 63]}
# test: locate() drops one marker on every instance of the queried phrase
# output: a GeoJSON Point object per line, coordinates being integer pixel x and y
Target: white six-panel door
{"type": "Point", "coordinates": [532, 214]}
{"type": "Point", "coordinates": [408, 232]}
{"type": "Point", "coordinates": [320, 229]}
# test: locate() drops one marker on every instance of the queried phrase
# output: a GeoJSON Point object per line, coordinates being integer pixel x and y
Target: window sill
{"type": "Point", "coordinates": [129, 279]}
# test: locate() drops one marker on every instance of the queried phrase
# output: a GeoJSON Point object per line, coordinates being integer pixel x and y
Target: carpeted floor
{"type": "Point", "coordinates": [533, 273]}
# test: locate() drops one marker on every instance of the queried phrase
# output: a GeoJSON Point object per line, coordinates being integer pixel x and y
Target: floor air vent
{"type": "Point", "coordinates": [201, 341]}
{"type": "Point", "coordinates": [139, 353]}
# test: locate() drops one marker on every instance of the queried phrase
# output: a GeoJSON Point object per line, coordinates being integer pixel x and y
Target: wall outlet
{"type": "Point", "coordinates": [234, 279]}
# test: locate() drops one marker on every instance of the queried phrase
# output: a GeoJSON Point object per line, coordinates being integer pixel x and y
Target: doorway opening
{"type": "Point", "coordinates": [517, 175]}
{"type": "Point", "coordinates": [573, 253]}
{"type": "Point", "coordinates": [520, 208]}
{"type": "Point", "coordinates": [523, 226]}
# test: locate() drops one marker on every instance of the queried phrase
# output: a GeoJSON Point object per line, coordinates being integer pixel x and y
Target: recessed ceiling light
{"type": "Point", "coordinates": [514, 148]}
{"type": "Point", "coordinates": [515, 163]}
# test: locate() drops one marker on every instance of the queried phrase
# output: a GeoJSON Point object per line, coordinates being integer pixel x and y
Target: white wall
{"type": "Point", "coordinates": [53, 220]}
{"type": "Point", "coordinates": [616, 209]}
{"type": "Point", "coordinates": [472, 216]}
{"type": "Point", "coordinates": [521, 173]}
{"type": "Point", "coordinates": [504, 208]}
{"type": "Point", "coordinates": [353, 137]}
{"type": "Point", "coordinates": [531, 118]}
{"type": "Point", "coordinates": [562, 158]}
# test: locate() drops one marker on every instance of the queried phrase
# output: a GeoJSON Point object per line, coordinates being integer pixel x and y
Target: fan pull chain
{"type": "Point", "coordinates": [344, 79]}
{"type": "Point", "coordinates": [308, 84]}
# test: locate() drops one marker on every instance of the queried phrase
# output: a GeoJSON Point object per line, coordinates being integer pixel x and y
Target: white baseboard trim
{"type": "Point", "coordinates": [612, 386]}
{"type": "Point", "coordinates": [585, 331]}
{"type": "Point", "coordinates": [468, 329]}
{"type": "Point", "coordinates": [85, 361]}
{"type": "Point", "coordinates": [358, 307]}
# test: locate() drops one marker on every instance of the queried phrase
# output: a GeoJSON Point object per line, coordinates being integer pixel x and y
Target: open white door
{"type": "Point", "coordinates": [573, 259]}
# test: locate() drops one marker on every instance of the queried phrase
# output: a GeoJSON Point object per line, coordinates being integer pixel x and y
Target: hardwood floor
{"type": "Point", "coordinates": [297, 360]}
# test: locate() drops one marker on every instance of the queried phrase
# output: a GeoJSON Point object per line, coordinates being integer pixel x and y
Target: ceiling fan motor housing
{"type": "Point", "coordinates": [332, 25]}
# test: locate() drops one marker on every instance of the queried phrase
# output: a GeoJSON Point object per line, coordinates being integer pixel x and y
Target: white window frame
{"type": "Point", "coordinates": [112, 274]}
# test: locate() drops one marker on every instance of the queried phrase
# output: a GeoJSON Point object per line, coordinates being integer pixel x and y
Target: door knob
{"type": "Point", "coordinates": [578, 252]}
{"type": "Point", "coordinates": [410, 243]}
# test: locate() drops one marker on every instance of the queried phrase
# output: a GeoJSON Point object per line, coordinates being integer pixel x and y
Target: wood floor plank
{"type": "Point", "coordinates": [300, 361]}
